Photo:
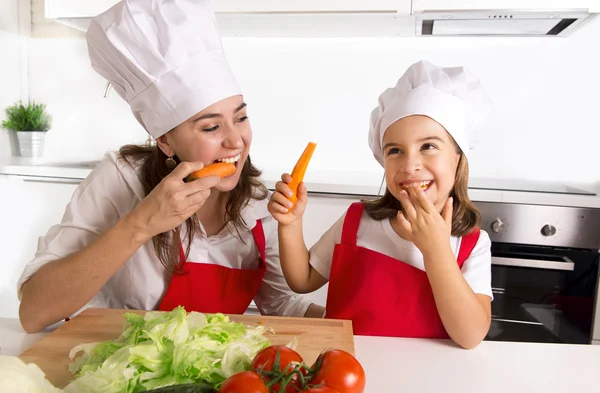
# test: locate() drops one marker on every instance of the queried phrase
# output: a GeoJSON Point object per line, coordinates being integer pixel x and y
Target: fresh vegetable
{"type": "Point", "coordinates": [266, 358]}
{"type": "Point", "coordinates": [220, 169]}
{"type": "Point", "coordinates": [320, 389]}
{"type": "Point", "coordinates": [340, 370]}
{"type": "Point", "coordinates": [161, 349]}
{"type": "Point", "coordinates": [300, 170]}
{"type": "Point", "coordinates": [280, 369]}
{"type": "Point", "coordinates": [16, 376]}
{"type": "Point", "coordinates": [244, 382]}
{"type": "Point", "coordinates": [279, 360]}
{"type": "Point", "coordinates": [187, 388]}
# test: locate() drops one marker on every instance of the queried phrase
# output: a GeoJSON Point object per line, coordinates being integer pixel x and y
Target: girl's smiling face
{"type": "Point", "coordinates": [419, 152]}
{"type": "Point", "coordinates": [220, 132]}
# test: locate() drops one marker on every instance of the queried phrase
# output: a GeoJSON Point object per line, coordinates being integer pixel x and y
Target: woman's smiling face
{"type": "Point", "coordinates": [220, 132]}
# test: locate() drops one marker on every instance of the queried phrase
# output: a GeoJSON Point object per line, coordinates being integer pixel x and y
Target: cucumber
{"type": "Point", "coordinates": [185, 388]}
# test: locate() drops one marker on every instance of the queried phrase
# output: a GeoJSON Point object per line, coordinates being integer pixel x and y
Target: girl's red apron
{"type": "Point", "coordinates": [210, 288]}
{"type": "Point", "coordinates": [381, 295]}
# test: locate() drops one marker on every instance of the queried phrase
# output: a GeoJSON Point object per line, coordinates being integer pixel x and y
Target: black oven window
{"type": "Point", "coordinates": [538, 304]}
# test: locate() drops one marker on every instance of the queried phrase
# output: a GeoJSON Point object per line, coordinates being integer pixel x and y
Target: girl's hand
{"type": "Point", "coordinates": [422, 224]}
{"type": "Point", "coordinates": [173, 201]}
{"type": "Point", "coordinates": [279, 206]}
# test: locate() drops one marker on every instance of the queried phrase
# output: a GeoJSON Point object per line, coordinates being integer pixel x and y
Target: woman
{"type": "Point", "coordinates": [136, 234]}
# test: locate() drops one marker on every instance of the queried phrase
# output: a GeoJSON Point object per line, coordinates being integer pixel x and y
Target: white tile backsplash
{"type": "Point", "coordinates": [85, 124]}
{"type": "Point", "coordinates": [545, 124]}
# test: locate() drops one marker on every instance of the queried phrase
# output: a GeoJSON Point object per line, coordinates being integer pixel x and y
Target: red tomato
{"type": "Point", "coordinates": [341, 371]}
{"type": "Point", "coordinates": [244, 382]}
{"type": "Point", "coordinates": [320, 389]}
{"type": "Point", "coordinates": [265, 360]}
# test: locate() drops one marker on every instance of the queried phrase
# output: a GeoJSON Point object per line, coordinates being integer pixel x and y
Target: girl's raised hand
{"type": "Point", "coordinates": [280, 206]}
{"type": "Point", "coordinates": [421, 223]}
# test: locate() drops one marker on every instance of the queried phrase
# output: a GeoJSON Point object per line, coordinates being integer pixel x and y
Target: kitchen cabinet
{"type": "Point", "coordinates": [88, 9]}
{"type": "Point", "coordinates": [267, 18]}
{"type": "Point", "coordinates": [9, 17]}
{"type": "Point", "coordinates": [28, 208]}
{"type": "Point", "coordinates": [76, 8]}
{"type": "Point", "coordinates": [402, 6]}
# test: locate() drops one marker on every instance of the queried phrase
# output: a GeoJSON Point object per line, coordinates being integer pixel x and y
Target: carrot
{"type": "Point", "coordinates": [220, 169]}
{"type": "Point", "coordinates": [300, 170]}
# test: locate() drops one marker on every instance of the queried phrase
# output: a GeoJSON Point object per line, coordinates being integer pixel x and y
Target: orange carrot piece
{"type": "Point", "coordinates": [220, 169]}
{"type": "Point", "coordinates": [300, 170]}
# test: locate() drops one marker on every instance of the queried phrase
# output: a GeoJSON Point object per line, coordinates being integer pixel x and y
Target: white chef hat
{"type": "Point", "coordinates": [452, 96]}
{"type": "Point", "coordinates": [164, 57]}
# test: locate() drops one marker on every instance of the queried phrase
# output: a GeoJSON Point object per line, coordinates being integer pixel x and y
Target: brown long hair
{"type": "Point", "coordinates": [154, 169]}
{"type": "Point", "coordinates": [465, 216]}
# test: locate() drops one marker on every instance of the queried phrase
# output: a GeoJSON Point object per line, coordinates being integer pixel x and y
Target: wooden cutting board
{"type": "Point", "coordinates": [51, 353]}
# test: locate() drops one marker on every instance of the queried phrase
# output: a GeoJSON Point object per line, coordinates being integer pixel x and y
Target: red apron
{"type": "Point", "coordinates": [381, 295]}
{"type": "Point", "coordinates": [210, 288]}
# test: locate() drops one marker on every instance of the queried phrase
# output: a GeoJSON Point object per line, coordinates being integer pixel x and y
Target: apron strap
{"type": "Point", "coordinates": [259, 238]}
{"type": "Point", "coordinates": [181, 255]}
{"type": "Point", "coordinates": [351, 223]}
{"type": "Point", "coordinates": [467, 245]}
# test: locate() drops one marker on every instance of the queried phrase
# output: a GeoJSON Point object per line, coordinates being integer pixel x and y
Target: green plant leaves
{"type": "Point", "coordinates": [30, 117]}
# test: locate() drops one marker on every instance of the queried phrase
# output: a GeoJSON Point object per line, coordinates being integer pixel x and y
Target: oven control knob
{"type": "Point", "coordinates": [497, 225]}
{"type": "Point", "coordinates": [548, 230]}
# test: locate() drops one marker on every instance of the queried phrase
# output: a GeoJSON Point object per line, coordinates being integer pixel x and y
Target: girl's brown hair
{"type": "Point", "coordinates": [465, 216]}
{"type": "Point", "coordinates": [154, 169]}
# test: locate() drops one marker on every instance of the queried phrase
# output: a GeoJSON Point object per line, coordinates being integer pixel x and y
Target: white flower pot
{"type": "Point", "coordinates": [14, 143]}
{"type": "Point", "coordinates": [31, 143]}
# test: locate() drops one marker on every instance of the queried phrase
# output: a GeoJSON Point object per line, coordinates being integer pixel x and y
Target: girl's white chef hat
{"type": "Point", "coordinates": [452, 96]}
{"type": "Point", "coordinates": [164, 57]}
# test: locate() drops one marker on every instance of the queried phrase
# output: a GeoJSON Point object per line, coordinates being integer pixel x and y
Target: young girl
{"type": "Point", "coordinates": [412, 263]}
{"type": "Point", "coordinates": [136, 235]}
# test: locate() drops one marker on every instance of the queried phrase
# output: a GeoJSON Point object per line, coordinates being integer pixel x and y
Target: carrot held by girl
{"type": "Point", "coordinates": [412, 263]}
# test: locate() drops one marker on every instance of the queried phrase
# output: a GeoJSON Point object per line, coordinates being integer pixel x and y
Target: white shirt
{"type": "Point", "coordinates": [112, 190]}
{"type": "Point", "coordinates": [379, 236]}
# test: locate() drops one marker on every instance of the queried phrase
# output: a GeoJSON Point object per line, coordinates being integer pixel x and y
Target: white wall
{"type": "Point", "coordinates": [545, 92]}
{"type": "Point", "coordinates": [13, 69]}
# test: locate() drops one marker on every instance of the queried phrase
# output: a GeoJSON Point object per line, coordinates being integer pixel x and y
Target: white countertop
{"type": "Point", "coordinates": [417, 365]}
{"type": "Point", "coordinates": [364, 183]}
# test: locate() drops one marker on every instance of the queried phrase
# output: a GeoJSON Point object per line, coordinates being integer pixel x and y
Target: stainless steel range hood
{"type": "Point", "coordinates": [516, 23]}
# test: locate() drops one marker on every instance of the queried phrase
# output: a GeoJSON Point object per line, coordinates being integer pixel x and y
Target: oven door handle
{"type": "Point", "coordinates": [534, 263]}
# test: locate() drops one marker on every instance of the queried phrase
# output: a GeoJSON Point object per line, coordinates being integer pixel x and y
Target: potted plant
{"type": "Point", "coordinates": [28, 125]}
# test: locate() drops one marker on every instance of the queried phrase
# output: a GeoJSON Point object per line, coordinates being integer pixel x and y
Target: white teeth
{"type": "Point", "coordinates": [231, 160]}
{"type": "Point", "coordinates": [422, 184]}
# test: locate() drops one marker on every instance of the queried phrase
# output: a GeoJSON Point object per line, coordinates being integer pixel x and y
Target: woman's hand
{"type": "Point", "coordinates": [279, 205]}
{"type": "Point", "coordinates": [173, 201]}
{"type": "Point", "coordinates": [421, 223]}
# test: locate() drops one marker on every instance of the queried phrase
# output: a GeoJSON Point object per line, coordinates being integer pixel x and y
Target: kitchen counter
{"type": "Point", "coordinates": [361, 183]}
{"type": "Point", "coordinates": [418, 365]}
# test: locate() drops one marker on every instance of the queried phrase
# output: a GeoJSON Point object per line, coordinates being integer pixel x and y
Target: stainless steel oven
{"type": "Point", "coordinates": [544, 272]}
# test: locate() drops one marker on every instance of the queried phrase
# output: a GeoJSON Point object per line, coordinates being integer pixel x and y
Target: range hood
{"type": "Point", "coordinates": [514, 23]}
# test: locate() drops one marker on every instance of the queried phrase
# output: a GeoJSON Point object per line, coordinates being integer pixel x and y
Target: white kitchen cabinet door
{"type": "Point", "coordinates": [81, 8]}
{"type": "Point", "coordinates": [439, 5]}
{"type": "Point", "coordinates": [268, 18]}
{"type": "Point", "coordinates": [27, 210]}
{"type": "Point", "coordinates": [321, 213]}
{"type": "Point", "coordinates": [401, 6]}
{"type": "Point", "coordinates": [76, 8]}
